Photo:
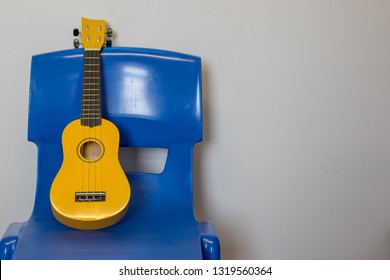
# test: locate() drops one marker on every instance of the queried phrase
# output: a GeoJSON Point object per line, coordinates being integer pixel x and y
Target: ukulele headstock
{"type": "Point", "coordinates": [93, 34]}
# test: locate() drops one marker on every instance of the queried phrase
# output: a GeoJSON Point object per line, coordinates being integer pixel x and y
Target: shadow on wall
{"type": "Point", "coordinates": [202, 204]}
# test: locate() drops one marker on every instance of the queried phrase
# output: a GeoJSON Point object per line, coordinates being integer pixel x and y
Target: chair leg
{"type": "Point", "coordinates": [210, 247]}
{"type": "Point", "coordinates": [9, 241]}
{"type": "Point", "coordinates": [7, 248]}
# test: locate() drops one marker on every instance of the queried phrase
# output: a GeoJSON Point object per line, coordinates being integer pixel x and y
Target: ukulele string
{"type": "Point", "coordinates": [84, 107]}
{"type": "Point", "coordinates": [91, 123]}
{"type": "Point", "coordinates": [87, 118]}
{"type": "Point", "coordinates": [97, 97]}
{"type": "Point", "coordinates": [95, 119]}
{"type": "Point", "coordinates": [100, 119]}
{"type": "Point", "coordinates": [89, 127]}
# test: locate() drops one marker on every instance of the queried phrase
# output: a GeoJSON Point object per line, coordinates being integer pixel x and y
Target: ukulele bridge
{"type": "Point", "coordinates": [90, 196]}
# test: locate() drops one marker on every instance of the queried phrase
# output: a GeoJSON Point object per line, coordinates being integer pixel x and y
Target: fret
{"type": "Point", "coordinates": [92, 110]}
{"type": "Point", "coordinates": [91, 77]}
{"type": "Point", "coordinates": [90, 116]}
{"type": "Point", "coordinates": [91, 62]}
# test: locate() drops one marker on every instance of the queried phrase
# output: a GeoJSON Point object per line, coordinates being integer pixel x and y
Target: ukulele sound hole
{"type": "Point", "coordinates": [90, 150]}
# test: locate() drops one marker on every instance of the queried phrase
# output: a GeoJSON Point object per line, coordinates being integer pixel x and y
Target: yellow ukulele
{"type": "Point", "coordinates": [90, 191]}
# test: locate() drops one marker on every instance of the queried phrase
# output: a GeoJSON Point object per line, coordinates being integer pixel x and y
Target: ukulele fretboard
{"type": "Point", "coordinates": [91, 113]}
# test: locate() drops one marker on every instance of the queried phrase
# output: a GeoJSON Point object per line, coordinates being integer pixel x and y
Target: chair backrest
{"type": "Point", "coordinates": [153, 97]}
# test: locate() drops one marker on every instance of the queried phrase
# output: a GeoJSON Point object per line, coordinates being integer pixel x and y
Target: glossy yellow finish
{"type": "Point", "coordinates": [93, 33]}
{"type": "Point", "coordinates": [102, 173]}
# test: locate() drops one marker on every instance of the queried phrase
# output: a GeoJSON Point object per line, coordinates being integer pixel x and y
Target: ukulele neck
{"type": "Point", "coordinates": [91, 111]}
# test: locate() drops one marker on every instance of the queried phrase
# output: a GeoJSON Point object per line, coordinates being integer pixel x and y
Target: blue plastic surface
{"type": "Point", "coordinates": [154, 98]}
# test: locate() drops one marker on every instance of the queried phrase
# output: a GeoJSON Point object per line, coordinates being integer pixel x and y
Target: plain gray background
{"type": "Point", "coordinates": [295, 162]}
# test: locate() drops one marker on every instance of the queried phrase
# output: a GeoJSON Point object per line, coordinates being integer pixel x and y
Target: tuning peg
{"type": "Point", "coordinates": [76, 32]}
{"type": "Point", "coordinates": [109, 32]}
{"type": "Point", "coordinates": [76, 43]}
{"type": "Point", "coordinates": [108, 43]}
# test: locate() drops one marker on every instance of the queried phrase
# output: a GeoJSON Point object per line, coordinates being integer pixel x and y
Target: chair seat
{"type": "Point", "coordinates": [126, 240]}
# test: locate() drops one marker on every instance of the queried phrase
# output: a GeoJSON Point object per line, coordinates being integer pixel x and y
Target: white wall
{"type": "Point", "coordinates": [295, 162]}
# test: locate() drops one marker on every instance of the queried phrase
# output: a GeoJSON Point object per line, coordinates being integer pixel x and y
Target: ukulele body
{"type": "Point", "coordinates": [91, 190]}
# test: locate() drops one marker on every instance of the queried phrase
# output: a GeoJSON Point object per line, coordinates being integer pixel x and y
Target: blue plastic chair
{"type": "Point", "coordinates": [154, 98]}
